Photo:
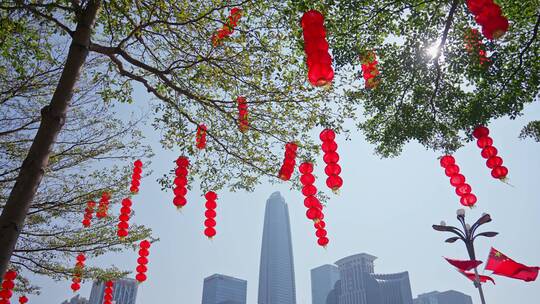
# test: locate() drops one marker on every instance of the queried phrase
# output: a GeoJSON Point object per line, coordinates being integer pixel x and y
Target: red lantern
{"type": "Point", "coordinates": [289, 162]}
{"type": "Point", "coordinates": [23, 300]}
{"type": "Point", "coordinates": [323, 241]}
{"type": "Point", "coordinates": [319, 225]}
{"type": "Point", "coordinates": [200, 137]}
{"type": "Point", "coordinates": [7, 286]}
{"type": "Point", "coordinates": [243, 122]}
{"type": "Point", "coordinates": [489, 15]}
{"type": "Point", "coordinates": [475, 46]}
{"type": "Point", "coordinates": [210, 222]}
{"type": "Point", "coordinates": [370, 72]}
{"type": "Point", "coordinates": [108, 292]}
{"type": "Point", "coordinates": [494, 162]}
{"type": "Point", "coordinates": [463, 190]}
{"type": "Point", "coordinates": [88, 213]}
{"type": "Point", "coordinates": [77, 272]}
{"type": "Point", "coordinates": [123, 224]}
{"type": "Point", "coordinates": [180, 182]}
{"type": "Point", "coordinates": [331, 157]}
{"type": "Point", "coordinates": [318, 59]}
{"type": "Point", "coordinates": [228, 27]}
{"type": "Point", "coordinates": [142, 261]}
{"type": "Point", "coordinates": [312, 203]}
{"type": "Point", "coordinates": [103, 206]}
{"type": "Point", "coordinates": [136, 177]}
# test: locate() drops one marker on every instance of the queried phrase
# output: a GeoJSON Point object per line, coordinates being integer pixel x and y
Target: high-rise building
{"type": "Point", "coordinates": [333, 295]}
{"type": "Point", "coordinates": [445, 297]}
{"type": "Point", "coordinates": [124, 292]}
{"type": "Point", "coordinates": [76, 300]}
{"type": "Point", "coordinates": [222, 289]}
{"type": "Point", "coordinates": [358, 284]}
{"type": "Point", "coordinates": [323, 280]}
{"type": "Point", "coordinates": [276, 273]}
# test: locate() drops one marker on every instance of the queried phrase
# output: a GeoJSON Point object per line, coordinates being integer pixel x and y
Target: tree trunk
{"type": "Point", "coordinates": [53, 117]}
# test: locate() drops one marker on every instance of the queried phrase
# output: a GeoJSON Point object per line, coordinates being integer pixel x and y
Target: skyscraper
{"type": "Point", "coordinates": [221, 289]}
{"type": "Point", "coordinates": [124, 292]}
{"type": "Point", "coordinates": [276, 273]}
{"type": "Point", "coordinates": [76, 300]}
{"type": "Point", "coordinates": [359, 284]}
{"type": "Point", "coordinates": [445, 297]}
{"type": "Point", "coordinates": [323, 280]}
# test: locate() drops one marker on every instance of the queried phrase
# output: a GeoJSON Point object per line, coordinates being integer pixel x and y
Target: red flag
{"type": "Point", "coordinates": [502, 265]}
{"type": "Point", "coordinates": [483, 278]}
{"type": "Point", "coordinates": [464, 265]}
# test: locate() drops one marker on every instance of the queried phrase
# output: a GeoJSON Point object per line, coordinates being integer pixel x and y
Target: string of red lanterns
{"type": "Point", "coordinates": [228, 28]}
{"type": "Point", "coordinates": [142, 261]}
{"type": "Point", "coordinates": [22, 300]}
{"type": "Point", "coordinates": [77, 274]}
{"type": "Point", "coordinates": [370, 72]}
{"type": "Point", "coordinates": [210, 214]}
{"type": "Point", "coordinates": [463, 190]}
{"type": "Point", "coordinates": [489, 152]}
{"type": "Point", "coordinates": [314, 211]}
{"type": "Point", "coordinates": [200, 137]}
{"type": "Point", "coordinates": [289, 161]}
{"type": "Point", "coordinates": [489, 15]}
{"type": "Point", "coordinates": [475, 46]}
{"type": "Point", "coordinates": [136, 177]}
{"type": "Point", "coordinates": [108, 292]}
{"type": "Point", "coordinates": [103, 206]}
{"type": "Point", "coordinates": [321, 233]}
{"type": "Point", "coordinates": [123, 219]}
{"type": "Point", "coordinates": [88, 211]}
{"type": "Point", "coordinates": [307, 179]}
{"type": "Point", "coordinates": [331, 157]}
{"type": "Point", "coordinates": [243, 122]}
{"type": "Point", "coordinates": [180, 182]}
{"type": "Point", "coordinates": [319, 61]}
{"type": "Point", "coordinates": [7, 286]}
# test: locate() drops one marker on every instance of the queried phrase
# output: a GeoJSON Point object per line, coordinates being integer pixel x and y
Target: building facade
{"type": "Point", "coordinates": [124, 292]}
{"type": "Point", "coordinates": [76, 300]}
{"type": "Point", "coordinates": [333, 295]}
{"type": "Point", "coordinates": [359, 284]}
{"type": "Point", "coordinates": [276, 272]}
{"type": "Point", "coordinates": [445, 297]}
{"type": "Point", "coordinates": [323, 280]}
{"type": "Point", "coordinates": [222, 289]}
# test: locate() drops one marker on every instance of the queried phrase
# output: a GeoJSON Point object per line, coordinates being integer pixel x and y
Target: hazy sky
{"type": "Point", "coordinates": [386, 208]}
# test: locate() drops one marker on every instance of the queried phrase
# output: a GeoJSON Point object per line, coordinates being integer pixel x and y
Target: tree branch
{"type": "Point", "coordinates": [36, 12]}
{"type": "Point", "coordinates": [440, 50]}
{"type": "Point", "coordinates": [521, 54]}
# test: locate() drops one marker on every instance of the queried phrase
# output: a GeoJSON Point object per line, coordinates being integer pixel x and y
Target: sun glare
{"type": "Point", "coordinates": [433, 50]}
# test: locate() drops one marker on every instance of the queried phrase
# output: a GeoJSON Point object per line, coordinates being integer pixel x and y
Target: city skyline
{"type": "Point", "coordinates": [379, 197]}
{"type": "Point", "coordinates": [270, 152]}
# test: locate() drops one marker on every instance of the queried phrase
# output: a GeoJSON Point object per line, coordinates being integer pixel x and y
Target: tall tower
{"type": "Point", "coordinates": [124, 292]}
{"type": "Point", "coordinates": [222, 289]}
{"type": "Point", "coordinates": [276, 273]}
